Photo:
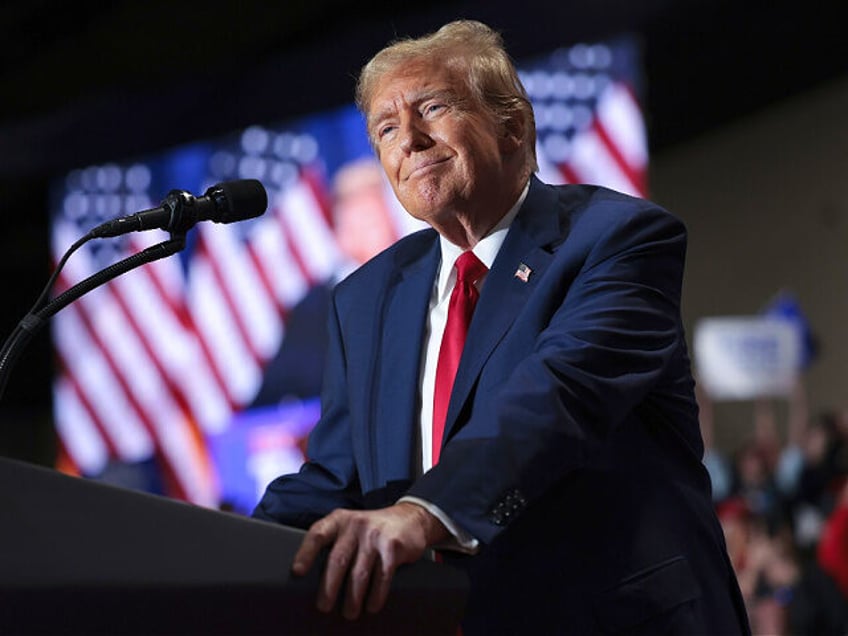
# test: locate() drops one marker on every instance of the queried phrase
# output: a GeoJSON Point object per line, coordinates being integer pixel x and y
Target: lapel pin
{"type": "Point", "coordinates": [523, 272]}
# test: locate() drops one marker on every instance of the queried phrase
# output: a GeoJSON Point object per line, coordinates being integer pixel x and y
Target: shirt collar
{"type": "Point", "coordinates": [486, 249]}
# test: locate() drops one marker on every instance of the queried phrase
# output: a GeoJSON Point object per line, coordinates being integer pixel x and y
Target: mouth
{"type": "Point", "coordinates": [426, 166]}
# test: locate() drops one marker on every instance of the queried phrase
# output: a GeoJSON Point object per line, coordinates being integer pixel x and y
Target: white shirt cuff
{"type": "Point", "coordinates": [463, 542]}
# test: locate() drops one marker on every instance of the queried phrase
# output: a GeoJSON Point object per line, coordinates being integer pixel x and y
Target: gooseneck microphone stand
{"type": "Point", "coordinates": [43, 310]}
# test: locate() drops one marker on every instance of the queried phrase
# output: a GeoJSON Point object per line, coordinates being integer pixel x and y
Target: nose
{"type": "Point", "coordinates": [414, 135]}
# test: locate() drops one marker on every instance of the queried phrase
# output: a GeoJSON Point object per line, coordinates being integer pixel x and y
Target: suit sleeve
{"type": "Point", "coordinates": [328, 479]}
{"type": "Point", "coordinates": [610, 340]}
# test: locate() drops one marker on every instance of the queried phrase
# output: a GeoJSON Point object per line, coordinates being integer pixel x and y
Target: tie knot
{"type": "Point", "coordinates": [469, 268]}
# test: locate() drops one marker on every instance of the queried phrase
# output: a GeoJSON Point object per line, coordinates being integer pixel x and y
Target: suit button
{"type": "Point", "coordinates": [510, 504]}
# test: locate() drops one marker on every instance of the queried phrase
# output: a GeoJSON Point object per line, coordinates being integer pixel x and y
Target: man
{"type": "Point", "coordinates": [363, 226]}
{"type": "Point", "coordinates": [568, 480]}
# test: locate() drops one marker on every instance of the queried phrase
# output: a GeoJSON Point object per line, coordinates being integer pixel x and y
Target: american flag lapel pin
{"type": "Point", "coordinates": [523, 272]}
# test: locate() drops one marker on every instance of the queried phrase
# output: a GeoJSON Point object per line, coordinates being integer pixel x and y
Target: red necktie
{"type": "Point", "coordinates": [463, 298]}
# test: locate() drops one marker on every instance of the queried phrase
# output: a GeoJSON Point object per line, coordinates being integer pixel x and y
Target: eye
{"type": "Point", "coordinates": [382, 131]}
{"type": "Point", "coordinates": [433, 108]}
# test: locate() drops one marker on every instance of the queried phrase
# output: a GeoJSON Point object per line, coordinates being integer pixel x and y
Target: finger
{"type": "Point", "coordinates": [359, 580]}
{"type": "Point", "coordinates": [381, 583]}
{"type": "Point", "coordinates": [321, 534]}
{"type": "Point", "coordinates": [338, 563]}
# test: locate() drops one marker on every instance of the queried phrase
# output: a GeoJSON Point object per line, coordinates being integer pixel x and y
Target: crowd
{"type": "Point", "coordinates": [782, 499]}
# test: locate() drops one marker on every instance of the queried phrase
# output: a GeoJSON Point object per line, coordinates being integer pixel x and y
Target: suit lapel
{"type": "Point", "coordinates": [394, 402]}
{"type": "Point", "coordinates": [529, 240]}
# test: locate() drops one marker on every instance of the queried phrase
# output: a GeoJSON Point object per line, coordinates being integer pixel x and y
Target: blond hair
{"type": "Point", "coordinates": [477, 50]}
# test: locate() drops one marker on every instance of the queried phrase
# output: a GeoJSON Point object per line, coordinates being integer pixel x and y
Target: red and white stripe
{"type": "Point", "coordinates": [613, 151]}
{"type": "Point", "coordinates": [159, 357]}
{"type": "Point", "coordinates": [122, 386]}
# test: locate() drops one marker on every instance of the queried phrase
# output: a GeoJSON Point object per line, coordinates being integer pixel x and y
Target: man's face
{"type": "Point", "coordinates": [443, 154]}
{"type": "Point", "coordinates": [363, 220]}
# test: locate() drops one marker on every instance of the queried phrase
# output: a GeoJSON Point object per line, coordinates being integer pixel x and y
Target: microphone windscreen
{"type": "Point", "coordinates": [242, 199]}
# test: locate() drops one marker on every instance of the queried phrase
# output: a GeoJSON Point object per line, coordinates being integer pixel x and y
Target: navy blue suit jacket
{"type": "Point", "coordinates": [572, 448]}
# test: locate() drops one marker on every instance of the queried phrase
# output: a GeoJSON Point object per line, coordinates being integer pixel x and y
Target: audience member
{"type": "Point", "coordinates": [783, 506]}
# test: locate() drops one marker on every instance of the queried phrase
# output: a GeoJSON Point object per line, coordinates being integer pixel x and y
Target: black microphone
{"type": "Point", "coordinates": [225, 202]}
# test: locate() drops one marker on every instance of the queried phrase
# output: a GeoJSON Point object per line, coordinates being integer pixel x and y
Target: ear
{"type": "Point", "coordinates": [512, 134]}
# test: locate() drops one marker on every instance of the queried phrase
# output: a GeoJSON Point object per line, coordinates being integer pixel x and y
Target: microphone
{"type": "Point", "coordinates": [224, 202]}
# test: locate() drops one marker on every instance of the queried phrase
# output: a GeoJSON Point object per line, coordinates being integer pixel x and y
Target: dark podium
{"type": "Point", "coordinates": [80, 557]}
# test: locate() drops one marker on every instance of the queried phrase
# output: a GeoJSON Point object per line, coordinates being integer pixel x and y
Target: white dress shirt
{"type": "Point", "coordinates": [486, 250]}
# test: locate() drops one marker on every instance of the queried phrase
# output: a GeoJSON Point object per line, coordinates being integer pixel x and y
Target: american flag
{"type": "Point", "coordinates": [156, 363]}
{"type": "Point", "coordinates": [589, 122]}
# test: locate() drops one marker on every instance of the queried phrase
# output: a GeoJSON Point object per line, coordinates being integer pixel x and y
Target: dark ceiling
{"type": "Point", "coordinates": [93, 81]}
{"type": "Point", "coordinates": [86, 81]}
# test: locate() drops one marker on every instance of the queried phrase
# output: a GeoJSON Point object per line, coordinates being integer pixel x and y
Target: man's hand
{"type": "Point", "coordinates": [368, 546]}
